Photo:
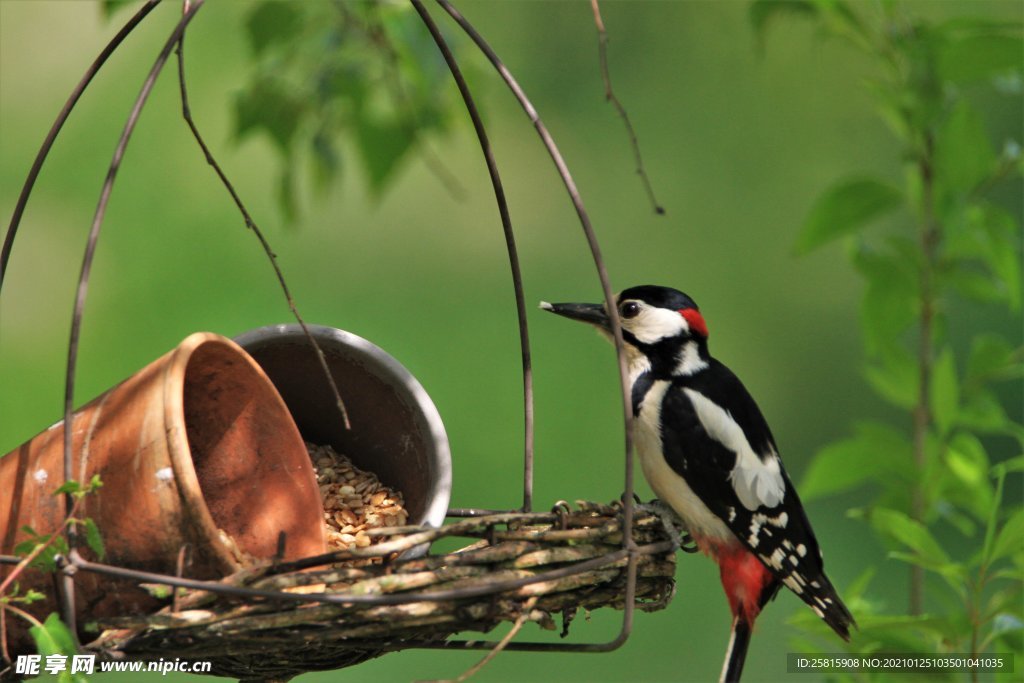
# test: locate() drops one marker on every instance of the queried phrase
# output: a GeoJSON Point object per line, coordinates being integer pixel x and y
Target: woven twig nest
{"type": "Point", "coordinates": [260, 638]}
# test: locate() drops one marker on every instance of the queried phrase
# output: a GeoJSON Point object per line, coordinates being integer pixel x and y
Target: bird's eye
{"type": "Point", "coordinates": [629, 309]}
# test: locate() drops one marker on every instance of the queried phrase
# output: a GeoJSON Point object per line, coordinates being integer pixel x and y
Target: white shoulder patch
{"type": "Point", "coordinates": [756, 482]}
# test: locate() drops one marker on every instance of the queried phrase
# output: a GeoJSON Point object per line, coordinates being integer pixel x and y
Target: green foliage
{"type": "Point", "coordinates": [844, 209]}
{"type": "Point", "coordinates": [110, 7]}
{"type": "Point", "coordinates": [40, 551]}
{"type": "Point", "coordinates": [53, 637]}
{"type": "Point", "coordinates": [938, 502]}
{"type": "Point", "coordinates": [44, 548]}
{"type": "Point", "coordinates": [325, 74]}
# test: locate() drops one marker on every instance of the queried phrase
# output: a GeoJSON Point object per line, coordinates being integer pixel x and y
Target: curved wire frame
{"type": "Point", "coordinates": [630, 551]}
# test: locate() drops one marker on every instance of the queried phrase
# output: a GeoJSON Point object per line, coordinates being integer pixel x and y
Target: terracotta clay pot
{"type": "Point", "coordinates": [196, 445]}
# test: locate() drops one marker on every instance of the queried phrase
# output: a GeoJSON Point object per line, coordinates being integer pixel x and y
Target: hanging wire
{"type": "Point", "coordinates": [510, 243]}
{"type": "Point", "coordinates": [588, 231]}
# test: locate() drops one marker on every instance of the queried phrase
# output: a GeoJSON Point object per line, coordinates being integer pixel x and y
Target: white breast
{"type": "Point", "coordinates": [667, 484]}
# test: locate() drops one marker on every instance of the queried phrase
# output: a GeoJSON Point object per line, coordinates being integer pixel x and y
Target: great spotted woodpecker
{"type": "Point", "coordinates": [708, 453]}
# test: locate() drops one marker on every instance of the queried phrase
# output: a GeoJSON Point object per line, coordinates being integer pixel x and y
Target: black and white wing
{"type": "Point", "coordinates": [717, 440]}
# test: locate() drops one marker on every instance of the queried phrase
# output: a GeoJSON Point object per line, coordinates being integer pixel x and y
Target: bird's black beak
{"type": "Point", "coordinates": [588, 313]}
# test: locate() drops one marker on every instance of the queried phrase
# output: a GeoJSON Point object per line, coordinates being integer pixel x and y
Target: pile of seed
{"type": "Point", "coordinates": [354, 500]}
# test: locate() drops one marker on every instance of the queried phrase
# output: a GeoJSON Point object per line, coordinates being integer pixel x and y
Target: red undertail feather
{"type": "Point", "coordinates": [744, 578]}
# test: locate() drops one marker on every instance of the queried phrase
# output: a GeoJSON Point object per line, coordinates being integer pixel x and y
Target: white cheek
{"type": "Point", "coordinates": [655, 324]}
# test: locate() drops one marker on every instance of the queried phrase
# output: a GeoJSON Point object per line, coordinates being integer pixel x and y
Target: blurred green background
{"type": "Point", "coordinates": [737, 141]}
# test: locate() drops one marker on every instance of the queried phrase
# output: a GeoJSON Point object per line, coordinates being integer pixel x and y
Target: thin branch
{"type": "Point", "coordinates": [921, 417]}
{"type": "Point", "coordinates": [5, 654]}
{"type": "Point", "coordinates": [595, 250]}
{"type": "Point", "coordinates": [502, 644]}
{"type": "Point", "coordinates": [90, 252]}
{"type": "Point", "coordinates": [186, 112]}
{"type": "Point", "coordinates": [23, 614]}
{"type": "Point", "coordinates": [609, 95]}
{"type": "Point", "coordinates": [510, 243]}
{"type": "Point", "coordinates": [51, 137]}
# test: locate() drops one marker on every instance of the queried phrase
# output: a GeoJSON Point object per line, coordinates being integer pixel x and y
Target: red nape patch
{"type": "Point", "coordinates": [744, 579]}
{"type": "Point", "coordinates": [695, 320]}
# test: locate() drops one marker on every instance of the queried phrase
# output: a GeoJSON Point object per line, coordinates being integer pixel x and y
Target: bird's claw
{"type": "Point", "coordinates": [671, 522]}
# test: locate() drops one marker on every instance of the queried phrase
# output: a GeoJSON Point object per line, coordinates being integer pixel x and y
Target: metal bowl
{"type": "Point", "coordinates": [396, 431]}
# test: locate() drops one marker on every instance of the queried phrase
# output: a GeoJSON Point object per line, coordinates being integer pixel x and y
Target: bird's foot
{"type": "Point", "coordinates": [672, 523]}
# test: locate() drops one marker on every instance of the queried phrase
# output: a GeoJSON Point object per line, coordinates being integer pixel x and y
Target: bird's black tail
{"type": "Point", "coordinates": [736, 654]}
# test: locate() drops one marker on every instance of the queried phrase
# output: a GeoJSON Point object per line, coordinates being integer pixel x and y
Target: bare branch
{"type": "Point", "coordinates": [502, 644]}
{"type": "Point", "coordinates": [609, 94]}
{"type": "Point", "coordinates": [186, 112]}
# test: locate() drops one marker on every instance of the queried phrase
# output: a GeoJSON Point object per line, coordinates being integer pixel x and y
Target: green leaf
{"type": "Point", "coordinates": [158, 590]}
{"type": "Point", "coordinates": [382, 145]}
{"type": "Point", "coordinates": [980, 56]}
{"type": "Point", "coordinates": [845, 208]}
{"type": "Point", "coordinates": [1012, 465]}
{"type": "Point", "coordinates": [53, 637]}
{"type": "Point", "coordinates": [287, 194]}
{"type": "Point", "coordinates": [273, 21]}
{"type": "Point", "coordinates": [954, 573]}
{"type": "Point", "coordinates": [976, 286]}
{"type": "Point", "coordinates": [967, 459]}
{"type": "Point", "coordinates": [992, 357]}
{"type": "Point", "coordinates": [762, 12]}
{"type": "Point", "coordinates": [961, 522]}
{"type": "Point", "coordinates": [839, 467]}
{"type": "Point", "coordinates": [963, 153]}
{"type": "Point", "coordinates": [70, 486]}
{"type": "Point", "coordinates": [968, 463]}
{"type": "Point", "coordinates": [895, 377]}
{"type": "Point", "coordinates": [1003, 253]}
{"type": "Point", "coordinates": [993, 518]}
{"type": "Point", "coordinates": [93, 538]}
{"type": "Point", "coordinates": [271, 107]}
{"type": "Point", "coordinates": [875, 453]}
{"type": "Point", "coordinates": [911, 533]}
{"type": "Point", "coordinates": [1010, 574]}
{"type": "Point", "coordinates": [326, 160]}
{"type": "Point", "coordinates": [1010, 538]}
{"type": "Point", "coordinates": [983, 412]}
{"type": "Point", "coordinates": [890, 301]}
{"type": "Point", "coordinates": [900, 633]}
{"type": "Point", "coordinates": [893, 106]}
{"type": "Point", "coordinates": [944, 394]}
{"type": "Point", "coordinates": [110, 7]}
